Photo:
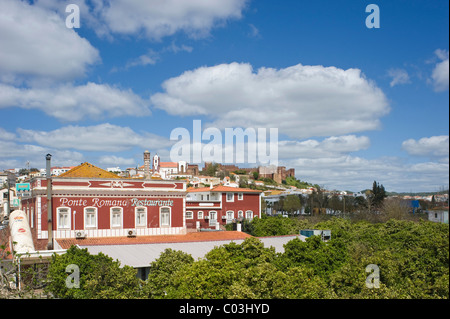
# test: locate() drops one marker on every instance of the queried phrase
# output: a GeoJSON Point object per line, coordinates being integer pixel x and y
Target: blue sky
{"type": "Point", "coordinates": [351, 104]}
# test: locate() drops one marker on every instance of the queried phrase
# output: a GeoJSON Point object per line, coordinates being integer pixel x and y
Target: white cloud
{"type": "Point", "coordinates": [434, 146]}
{"type": "Point", "coordinates": [16, 155]}
{"type": "Point", "coordinates": [36, 45]}
{"type": "Point", "coordinates": [329, 147]}
{"type": "Point", "coordinates": [149, 58]}
{"type": "Point", "coordinates": [356, 173]}
{"type": "Point", "coordinates": [440, 73]}
{"type": "Point", "coordinates": [156, 19]}
{"type": "Point", "coordinates": [302, 101]}
{"type": "Point", "coordinates": [73, 103]}
{"type": "Point", "coordinates": [399, 76]}
{"type": "Point", "coordinates": [115, 160]}
{"type": "Point", "coordinates": [102, 137]}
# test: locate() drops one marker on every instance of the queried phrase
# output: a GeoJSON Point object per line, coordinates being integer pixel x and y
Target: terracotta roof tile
{"type": "Point", "coordinates": [88, 170]}
{"type": "Point", "coordinates": [221, 188]}
{"type": "Point", "coordinates": [189, 237]}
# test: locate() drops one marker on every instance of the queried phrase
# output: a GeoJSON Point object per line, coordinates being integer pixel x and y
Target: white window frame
{"type": "Point", "coordinates": [112, 212]}
{"type": "Point", "coordinates": [189, 214]}
{"type": "Point", "coordinates": [249, 212]}
{"type": "Point", "coordinates": [95, 217]}
{"type": "Point", "coordinates": [161, 219]}
{"type": "Point", "coordinates": [232, 197]}
{"type": "Point", "coordinates": [67, 224]}
{"type": "Point", "coordinates": [200, 214]}
{"type": "Point", "coordinates": [240, 196]}
{"type": "Point", "coordinates": [229, 214]}
{"type": "Point", "coordinates": [240, 214]}
{"type": "Point", "coordinates": [137, 221]}
{"type": "Point", "coordinates": [210, 219]}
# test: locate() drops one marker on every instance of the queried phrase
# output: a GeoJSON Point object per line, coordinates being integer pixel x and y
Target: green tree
{"type": "Point", "coordinates": [292, 203]}
{"type": "Point", "coordinates": [162, 271]}
{"type": "Point", "coordinates": [100, 276]}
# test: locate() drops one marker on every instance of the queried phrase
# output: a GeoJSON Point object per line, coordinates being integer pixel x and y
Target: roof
{"type": "Point", "coordinates": [221, 188]}
{"type": "Point", "coordinates": [168, 164]}
{"type": "Point", "coordinates": [88, 170]}
{"type": "Point", "coordinates": [141, 255]}
{"type": "Point", "coordinates": [189, 237]}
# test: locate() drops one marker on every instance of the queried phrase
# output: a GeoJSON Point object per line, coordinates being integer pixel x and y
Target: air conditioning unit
{"type": "Point", "coordinates": [131, 233]}
{"type": "Point", "coordinates": [224, 217]}
{"type": "Point", "coordinates": [80, 234]}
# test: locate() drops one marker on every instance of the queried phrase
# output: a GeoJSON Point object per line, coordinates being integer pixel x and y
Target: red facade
{"type": "Point", "coordinates": [85, 207]}
{"type": "Point", "coordinates": [207, 207]}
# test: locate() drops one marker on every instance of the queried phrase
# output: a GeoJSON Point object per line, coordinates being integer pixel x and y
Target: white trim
{"type": "Point", "coordinates": [216, 220]}
{"type": "Point", "coordinates": [111, 218]}
{"type": "Point", "coordinates": [202, 214]}
{"type": "Point", "coordinates": [240, 196]}
{"type": "Point", "coordinates": [192, 214]}
{"type": "Point", "coordinates": [232, 198]}
{"type": "Point", "coordinates": [84, 218]}
{"type": "Point", "coordinates": [170, 217]}
{"type": "Point", "coordinates": [142, 225]}
{"type": "Point", "coordinates": [68, 226]}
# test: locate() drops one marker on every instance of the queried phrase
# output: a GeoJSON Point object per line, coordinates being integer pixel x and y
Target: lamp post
{"type": "Point", "coordinates": [48, 158]}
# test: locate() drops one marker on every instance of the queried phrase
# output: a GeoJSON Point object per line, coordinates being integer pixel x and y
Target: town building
{"type": "Point", "coordinates": [89, 202]}
{"type": "Point", "coordinates": [213, 207]}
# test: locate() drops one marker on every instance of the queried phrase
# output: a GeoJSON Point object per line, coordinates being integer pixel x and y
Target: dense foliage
{"type": "Point", "coordinates": [413, 258]}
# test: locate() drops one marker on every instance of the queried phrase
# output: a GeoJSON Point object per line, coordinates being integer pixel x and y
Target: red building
{"type": "Point", "coordinates": [208, 207]}
{"type": "Point", "coordinates": [90, 202]}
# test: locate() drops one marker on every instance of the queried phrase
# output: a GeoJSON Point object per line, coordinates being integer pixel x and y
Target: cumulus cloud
{"type": "Point", "coordinates": [73, 103]}
{"type": "Point", "coordinates": [35, 43]}
{"type": "Point", "coordinates": [156, 19]}
{"type": "Point", "coordinates": [434, 146]}
{"type": "Point", "coordinates": [329, 147]}
{"type": "Point", "coordinates": [102, 137]}
{"type": "Point", "coordinates": [302, 101]}
{"type": "Point", "coordinates": [440, 74]}
{"type": "Point", "coordinates": [355, 173]}
{"type": "Point", "coordinates": [116, 160]}
{"type": "Point", "coordinates": [399, 76]}
{"type": "Point", "coordinates": [15, 154]}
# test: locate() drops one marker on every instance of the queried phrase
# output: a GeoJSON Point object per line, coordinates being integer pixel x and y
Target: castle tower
{"type": "Point", "coordinates": [147, 165]}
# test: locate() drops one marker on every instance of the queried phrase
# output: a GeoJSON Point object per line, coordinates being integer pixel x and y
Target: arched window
{"type": "Point", "coordinates": [63, 218]}
{"type": "Point", "coordinates": [141, 216]}
{"type": "Point", "coordinates": [116, 217]}
{"type": "Point", "coordinates": [165, 216]}
{"type": "Point", "coordinates": [90, 217]}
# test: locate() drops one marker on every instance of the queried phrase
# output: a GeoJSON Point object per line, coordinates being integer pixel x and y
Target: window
{"type": "Point", "coordinates": [200, 215]}
{"type": "Point", "coordinates": [230, 215]}
{"type": "Point", "coordinates": [116, 217]}
{"type": "Point", "coordinates": [63, 218]}
{"type": "Point", "coordinates": [164, 217]}
{"type": "Point", "coordinates": [189, 215]}
{"type": "Point", "coordinates": [230, 197]}
{"type": "Point", "coordinates": [212, 218]}
{"type": "Point", "coordinates": [141, 216]}
{"type": "Point", "coordinates": [240, 214]}
{"type": "Point", "coordinates": [240, 196]}
{"type": "Point", "coordinates": [249, 214]}
{"type": "Point", "coordinates": [32, 217]}
{"type": "Point", "coordinates": [90, 217]}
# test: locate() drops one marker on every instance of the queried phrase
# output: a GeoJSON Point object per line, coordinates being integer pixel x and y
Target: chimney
{"type": "Point", "coordinates": [48, 158]}
{"type": "Point", "coordinates": [147, 165]}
